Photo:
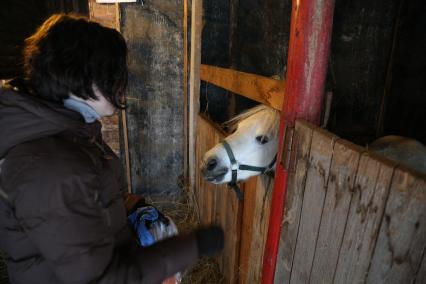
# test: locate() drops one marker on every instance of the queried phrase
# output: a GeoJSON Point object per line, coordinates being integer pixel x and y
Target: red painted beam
{"type": "Point", "coordinates": [310, 34]}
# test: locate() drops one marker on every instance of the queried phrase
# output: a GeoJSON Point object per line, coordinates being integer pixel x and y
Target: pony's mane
{"type": "Point", "coordinates": [270, 118]}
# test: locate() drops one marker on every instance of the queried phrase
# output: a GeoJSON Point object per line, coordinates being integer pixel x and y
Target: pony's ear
{"type": "Point", "coordinates": [230, 127]}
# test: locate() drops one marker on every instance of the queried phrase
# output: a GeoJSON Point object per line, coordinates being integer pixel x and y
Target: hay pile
{"type": "Point", "coordinates": [184, 213]}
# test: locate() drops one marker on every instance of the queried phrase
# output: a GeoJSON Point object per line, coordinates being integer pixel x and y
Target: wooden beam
{"type": "Point", "coordinates": [194, 84]}
{"type": "Point", "coordinates": [185, 94]}
{"type": "Point", "coordinates": [124, 118]}
{"type": "Point", "coordinates": [264, 90]}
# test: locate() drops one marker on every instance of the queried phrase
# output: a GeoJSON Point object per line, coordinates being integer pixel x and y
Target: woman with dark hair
{"type": "Point", "coordinates": [62, 214]}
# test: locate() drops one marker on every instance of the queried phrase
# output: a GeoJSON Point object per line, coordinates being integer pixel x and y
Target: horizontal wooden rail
{"type": "Point", "coordinates": [265, 90]}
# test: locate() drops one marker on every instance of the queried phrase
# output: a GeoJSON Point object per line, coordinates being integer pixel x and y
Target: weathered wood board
{"type": "Point", "coordinates": [402, 237]}
{"type": "Point", "coordinates": [350, 216]}
{"type": "Point", "coordinates": [294, 200]}
{"type": "Point", "coordinates": [217, 203]}
{"type": "Point", "coordinates": [264, 90]}
{"type": "Point", "coordinates": [155, 112]}
{"type": "Point", "coordinates": [261, 211]}
{"type": "Point", "coordinates": [365, 214]}
{"type": "Point", "coordinates": [340, 187]}
{"type": "Point", "coordinates": [247, 228]}
{"type": "Point", "coordinates": [312, 205]}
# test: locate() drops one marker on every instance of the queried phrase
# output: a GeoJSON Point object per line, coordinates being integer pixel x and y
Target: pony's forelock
{"type": "Point", "coordinates": [269, 119]}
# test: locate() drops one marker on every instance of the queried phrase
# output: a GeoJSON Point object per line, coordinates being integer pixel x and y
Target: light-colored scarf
{"type": "Point", "coordinates": [88, 113]}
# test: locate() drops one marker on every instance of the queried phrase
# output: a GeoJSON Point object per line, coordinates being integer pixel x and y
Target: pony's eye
{"type": "Point", "coordinates": [262, 139]}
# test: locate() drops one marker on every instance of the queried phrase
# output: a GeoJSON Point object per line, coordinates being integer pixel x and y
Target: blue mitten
{"type": "Point", "coordinates": [139, 221]}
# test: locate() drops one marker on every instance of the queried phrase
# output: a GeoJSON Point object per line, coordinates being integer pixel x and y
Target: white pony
{"type": "Point", "coordinates": [250, 150]}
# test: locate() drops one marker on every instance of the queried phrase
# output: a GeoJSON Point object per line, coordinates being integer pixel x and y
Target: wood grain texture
{"type": "Point", "coordinates": [368, 202]}
{"type": "Point", "coordinates": [247, 228]}
{"type": "Point", "coordinates": [362, 218]}
{"type": "Point", "coordinates": [340, 189]}
{"type": "Point", "coordinates": [293, 206]}
{"type": "Point", "coordinates": [194, 85]}
{"type": "Point", "coordinates": [402, 237]}
{"type": "Point", "coordinates": [265, 90]}
{"type": "Point", "coordinates": [217, 203]}
{"type": "Point", "coordinates": [185, 94]}
{"type": "Point", "coordinates": [155, 111]}
{"type": "Point", "coordinates": [261, 213]}
{"type": "Point", "coordinates": [312, 207]}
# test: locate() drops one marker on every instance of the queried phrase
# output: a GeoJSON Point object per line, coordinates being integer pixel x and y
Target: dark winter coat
{"type": "Point", "coordinates": [62, 218]}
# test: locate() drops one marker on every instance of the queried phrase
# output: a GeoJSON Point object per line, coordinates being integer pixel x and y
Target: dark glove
{"type": "Point", "coordinates": [210, 240]}
{"type": "Point", "coordinates": [132, 202]}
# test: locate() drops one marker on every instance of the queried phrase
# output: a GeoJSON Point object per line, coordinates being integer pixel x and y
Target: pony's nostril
{"type": "Point", "coordinates": [211, 164]}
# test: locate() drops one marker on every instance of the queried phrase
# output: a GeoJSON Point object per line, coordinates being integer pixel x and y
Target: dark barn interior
{"type": "Point", "coordinates": [375, 66]}
{"type": "Point", "coordinates": [376, 72]}
{"type": "Point", "coordinates": [19, 19]}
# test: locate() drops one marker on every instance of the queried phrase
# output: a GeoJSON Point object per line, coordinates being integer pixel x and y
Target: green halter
{"type": "Point", "coordinates": [235, 166]}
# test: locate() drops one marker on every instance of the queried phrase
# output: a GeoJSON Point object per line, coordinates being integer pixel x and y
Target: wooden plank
{"type": "Point", "coordinates": [194, 84]}
{"type": "Point", "coordinates": [402, 236]}
{"type": "Point", "coordinates": [313, 199]}
{"type": "Point", "coordinates": [261, 213]}
{"type": "Point", "coordinates": [201, 146]}
{"type": "Point", "coordinates": [340, 187]}
{"type": "Point", "coordinates": [247, 228]}
{"type": "Point", "coordinates": [207, 137]}
{"type": "Point", "coordinates": [220, 207]}
{"type": "Point", "coordinates": [217, 203]}
{"type": "Point", "coordinates": [293, 205]}
{"type": "Point", "coordinates": [265, 90]}
{"type": "Point", "coordinates": [218, 218]}
{"type": "Point", "coordinates": [123, 120]}
{"type": "Point", "coordinates": [232, 227]}
{"type": "Point", "coordinates": [366, 210]}
{"type": "Point", "coordinates": [185, 94]}
{"type": "Point", "coordinates": [154, 105]}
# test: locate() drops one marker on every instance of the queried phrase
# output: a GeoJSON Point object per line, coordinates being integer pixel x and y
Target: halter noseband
{"type": "Point", "coordinates": [235, 166]}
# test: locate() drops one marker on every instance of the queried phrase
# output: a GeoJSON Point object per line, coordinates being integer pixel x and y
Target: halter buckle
{"type": "Point", "coordinates": [235, 166]}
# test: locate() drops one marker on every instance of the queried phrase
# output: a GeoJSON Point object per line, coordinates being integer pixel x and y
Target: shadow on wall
{"type": "Point", "coordinates": [4, 279]}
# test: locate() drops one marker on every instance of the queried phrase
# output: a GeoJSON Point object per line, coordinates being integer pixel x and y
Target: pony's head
{"type": "Point", "coordinates": [252, 146]}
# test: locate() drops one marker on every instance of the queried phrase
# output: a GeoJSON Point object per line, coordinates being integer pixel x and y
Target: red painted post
{"type": "Point", "coordinates": [310, 34]}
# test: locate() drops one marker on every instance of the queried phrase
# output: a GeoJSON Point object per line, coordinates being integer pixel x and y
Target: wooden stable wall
{"type": "Point", "coordinates": [350, 216]}
{"type": "Point", "coordinates": [155, 105]}
{"type": "Point", "coordinates": [245, 223]}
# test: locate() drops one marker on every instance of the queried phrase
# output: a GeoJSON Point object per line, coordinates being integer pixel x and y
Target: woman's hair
{"type": "Point", "coordinates": [69, 53]}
